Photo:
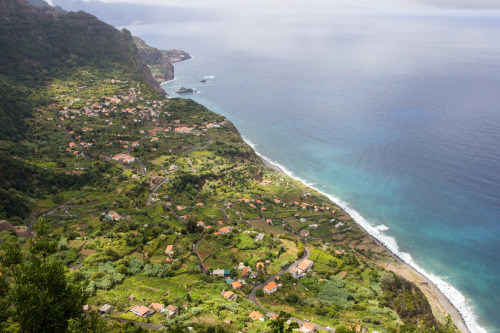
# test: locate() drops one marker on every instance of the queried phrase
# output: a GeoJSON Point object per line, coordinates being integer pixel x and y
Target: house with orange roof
{"type": "Point", "coordinates": [245, 272]}
{"type": "Point", "coordinates": [199, 204]}
{"type": "Point", "coordinates": [169, 250]}
{"type": "Point", "coordinates": [180, 208]}
{"type": "Point", "coordinates": [142, 311]}
{"type": "Point", "coordinates": [224, 230]}
{"type": "Point", "coordinates": [200, 224]}
{"type": "Point", "coordinates": [229, 295]}
{"type": "Point", "coordinates": [256, 315]}
{"type": "Point", "coordinates": [126, 158]}
{"type": "Point", "coordinates": [158, 307]}
{"type": "Point", "coordinates": [237, 285]}
{"type": "Point", "coordinates": [270, 288]}
{"type": "Point", "coordinates": [171, 311]}
{"type": "Point", "coordinates": [301, 269]}
{"type": "Point", "coordinates": [260, 266]}
{"type": "Point", "coordinates": [307, 328]}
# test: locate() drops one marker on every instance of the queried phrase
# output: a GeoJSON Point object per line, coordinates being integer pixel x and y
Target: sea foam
{"type": "Point", "coordinates": [456, 298]}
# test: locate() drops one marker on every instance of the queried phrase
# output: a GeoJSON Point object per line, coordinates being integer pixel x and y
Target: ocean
{"type": "Point", "coordinates": [394, 115]}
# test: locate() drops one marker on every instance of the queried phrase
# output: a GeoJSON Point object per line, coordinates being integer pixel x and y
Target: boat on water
{"type": "Point", "coordinates": [184, 90]}
{"type": "Point", "coordinates": [203, 81]}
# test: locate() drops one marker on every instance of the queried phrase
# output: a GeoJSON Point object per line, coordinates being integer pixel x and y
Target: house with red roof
{"type": "Point", "coordinates": [307, 327]}
{"type": "Point", "coordinates": [301, 269]}
{"type": "Point", "coordinates": [245, 272]}
{"type": "Point", "coordinates": [158, 307]}
{"type": "Point", "coordinates": [229, 295]}
{"type": "Point", "coordinates": [142, 311]}
{"type": "Point", "coordinates": [256, 315]}
{"type": "Point", "coordinates": [171, 311]}
{"type": "Point", "coordinates": [112, 215]}
{"type": "Point", "coordinates": [270, 288]}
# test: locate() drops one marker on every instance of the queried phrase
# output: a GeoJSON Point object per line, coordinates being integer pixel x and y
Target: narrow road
{"type": "Point", "coordinates": [142, 166]}
{"type": "Point", "coordinates": [191, 165]}
{"type": "Point", "coordinates": [307, 252]}
{"type": "Point", "coordinates": [251, 296]}
{"type": "Point", "coordinates": [149, 326]}
{"type": "Point", "coordinates": [150, 197]}
{"type": "Point", "coordinates": [195, 246]}
{"type": "Point", "coordinates": [50, 212]}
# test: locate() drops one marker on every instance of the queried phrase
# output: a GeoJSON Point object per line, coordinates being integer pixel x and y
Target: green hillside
{"type": "Point", "coordinates": [158, 208]}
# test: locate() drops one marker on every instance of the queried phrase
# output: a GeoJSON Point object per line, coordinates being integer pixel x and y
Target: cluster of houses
{"type": "Point", "coordinates": [143, 311]}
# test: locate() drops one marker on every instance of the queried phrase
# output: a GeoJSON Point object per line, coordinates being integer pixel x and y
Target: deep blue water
{"type": "Point", "coordinates": [397, 116]}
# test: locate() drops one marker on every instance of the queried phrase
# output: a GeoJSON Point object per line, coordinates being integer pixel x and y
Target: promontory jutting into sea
{"type": "Point", "coordinates": [395, 115]}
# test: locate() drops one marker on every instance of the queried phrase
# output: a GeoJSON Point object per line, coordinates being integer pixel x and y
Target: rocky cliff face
{"type": "Point", "coordinates": [157, 60]}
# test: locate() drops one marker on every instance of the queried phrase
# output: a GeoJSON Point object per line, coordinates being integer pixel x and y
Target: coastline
{"type": "Point", "coordinates": [441, 304]}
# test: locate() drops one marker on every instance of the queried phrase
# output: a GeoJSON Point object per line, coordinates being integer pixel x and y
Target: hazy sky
{"type": "Point", "coordinates": [382, 4]}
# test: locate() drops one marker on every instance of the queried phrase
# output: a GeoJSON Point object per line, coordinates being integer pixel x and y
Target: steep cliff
{"type": "Point", "coordinates": [160, 61]}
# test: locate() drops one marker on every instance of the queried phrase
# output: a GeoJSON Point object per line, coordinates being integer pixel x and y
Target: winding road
{"type": "Point", "coordinates": [252, 298]}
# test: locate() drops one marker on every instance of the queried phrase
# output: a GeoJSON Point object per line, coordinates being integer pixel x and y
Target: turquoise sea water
{"type": "Point", "coordinates": [394, 115]}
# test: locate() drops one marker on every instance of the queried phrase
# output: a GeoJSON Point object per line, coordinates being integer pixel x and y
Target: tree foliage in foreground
{"type": "Point", "coordinates": [43, 298]}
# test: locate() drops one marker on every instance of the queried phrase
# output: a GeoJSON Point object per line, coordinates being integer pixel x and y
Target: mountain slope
{"type": "Point", "coordinates": [41, 44]}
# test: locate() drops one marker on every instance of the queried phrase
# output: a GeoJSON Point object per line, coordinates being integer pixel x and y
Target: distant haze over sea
{"type": "Point", "coordinates": [395, 114]}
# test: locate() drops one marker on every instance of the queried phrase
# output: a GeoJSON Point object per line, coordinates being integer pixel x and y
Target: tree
{"type": "Point", "coordinates": [342, 329]}
{"type": "Point", "coordinates": [44, 299]}
{"type": "Point", "coordinates": [278, 325]}
{"type": "Point", "coordinates": [259, 292]}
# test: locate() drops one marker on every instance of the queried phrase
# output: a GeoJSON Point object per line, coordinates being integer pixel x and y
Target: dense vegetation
{"type": "Point", "coordinates": [122, 174]}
